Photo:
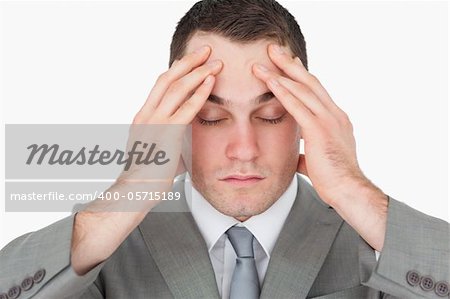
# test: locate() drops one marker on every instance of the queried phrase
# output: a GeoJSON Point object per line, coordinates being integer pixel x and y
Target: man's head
{"type": "Point", "coordinates": [242, 130]}
{"type": "Point", "coordinates": [241, 21]}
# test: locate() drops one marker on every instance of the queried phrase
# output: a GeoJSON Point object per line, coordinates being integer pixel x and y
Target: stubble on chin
{"type": "Point", "coordinates": [243, 202]}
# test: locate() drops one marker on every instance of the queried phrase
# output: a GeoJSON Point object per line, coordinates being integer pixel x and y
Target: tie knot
{"type": "Point", "coordinates": [242, 241]}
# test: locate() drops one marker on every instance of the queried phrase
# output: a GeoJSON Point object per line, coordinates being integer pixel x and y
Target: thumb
{"type": "Point", "coordinates": [301, 166]}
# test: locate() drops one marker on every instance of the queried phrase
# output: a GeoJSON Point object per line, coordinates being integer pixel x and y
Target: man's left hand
{"type": "Point", "coordinates": [330, 150]}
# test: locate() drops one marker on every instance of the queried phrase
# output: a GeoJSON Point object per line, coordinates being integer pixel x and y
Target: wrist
{"type": "Point", "coordinates": [364, 207]}
{"type": "Point", "coordinates": [358, 190]}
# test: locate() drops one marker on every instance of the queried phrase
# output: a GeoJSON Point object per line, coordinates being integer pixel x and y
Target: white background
{"type": "Point", "coordinates": [384, 63]}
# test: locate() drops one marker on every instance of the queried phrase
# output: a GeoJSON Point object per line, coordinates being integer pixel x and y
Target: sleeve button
{"type": "Point", "coordinates": [14, 292]}
{"type": "Point", "coordinates": [39, 275]}
{"type": "Point", "coordinates": [3, 296]}
{"type": "Point", "coordinates": [427, 283]}
{"type": "Point", "coordinates": [413, 278]}
{"type": "Point", "coordinates": [27, 283]}
{"type": "Point", "coordinates": [441, 289]}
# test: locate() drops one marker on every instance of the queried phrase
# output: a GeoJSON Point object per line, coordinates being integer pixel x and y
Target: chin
{"type": "Point", "coordinates": [242, 213]}
{"type": "Point", "coordinates": [241, 207]}
{"type": "Point", "coordinates": [247, 201]}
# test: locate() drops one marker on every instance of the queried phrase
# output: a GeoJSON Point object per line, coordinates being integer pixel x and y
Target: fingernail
{"type": "Point", "coordinates": [274, 82]}
{"type": "Point", "coordinates": [214, 63]}
{"type": "Point", "coordinates": [278, 49]}
{"type": "Point", "coordinates": [261, 67]}
{"type": "Point", "coordinates": [201, 50]}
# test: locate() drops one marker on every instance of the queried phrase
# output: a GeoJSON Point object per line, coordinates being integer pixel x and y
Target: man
{"type": "Point", "coordinates": [255, 228]}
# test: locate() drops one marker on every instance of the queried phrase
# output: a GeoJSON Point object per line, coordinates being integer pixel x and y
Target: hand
{"type": "Point", "coordinates": [330, 151]}
{"type": "Point", "coordinates": [178, 96]}
{"type": "Point", "coordinates": [170, 100]}
{"type": "Point", "coordinates": [173, 102]}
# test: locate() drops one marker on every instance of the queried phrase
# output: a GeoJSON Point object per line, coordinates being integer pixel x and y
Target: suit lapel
{"type": "Point", "coordinates": [180, 252]}
{"type": "Point", "coordinates": [302, 246]}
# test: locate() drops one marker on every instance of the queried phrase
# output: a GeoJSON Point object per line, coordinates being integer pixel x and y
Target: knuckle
{"type": "Point", "coordinates": [137, 119]}
{"type": "Point", "coordinates": [283, 92]}
{"type": "Point", "coordinates": [206, 70]}
{"type": "Point", "coordinates": [177, 85]}
{"type": "Point", "coordinates": [301, 86]}
{"type": "Point", "coordinates": [188, 105]}
{"type": "Point", "coordinates": [186, 60]}
{"type": "Point", "coordinates": [162, 77]}
{"type": "Point", "coordinates": [292, 63]}
{"type": "Point", "coordinates": [345, 119]}
{"type": "Point", "coordinates": [349, 125]}
{"type": "Point", "coordinates": [199, 73]}
{"type": "Point", "coordinates": [204, 90]}
{"type": "Point", "coordinates": [306, 90]}
{"type": "Point", "coordinates": [175, 63]}
{"type": "Point", "coordinates": [203, 71]}
{"type": "Point", "coordinates": [184, 109]}
{"type": "Point", "coordinates": [157, 120]}
{"type": "Point", "coordinates": [330, 122]}
{"type": "Point", "coordinates": [309, 93]}
{"type": "Point", "coordinates": [278, 79]}
{"type": "Point", "coordinates": [313, 78]}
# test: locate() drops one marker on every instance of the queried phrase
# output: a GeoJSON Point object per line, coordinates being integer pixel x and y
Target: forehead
{"type": "Point", "coordinates": [236, 82]}
{"type": "Point", "coordinates": [232, 52]}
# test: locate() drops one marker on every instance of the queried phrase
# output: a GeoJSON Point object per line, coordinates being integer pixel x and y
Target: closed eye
{"type": "Point", "coordinates": [215, 122]}
{"type": "Point", "coordinates": [205, 122]}
{"type": "Point", "coordinates": [273, 121]}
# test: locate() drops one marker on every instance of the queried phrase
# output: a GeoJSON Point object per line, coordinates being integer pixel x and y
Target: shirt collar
{"type": "Point", "coordinates": [265, 227]}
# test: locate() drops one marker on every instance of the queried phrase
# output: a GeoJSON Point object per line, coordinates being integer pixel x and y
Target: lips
{"type": "Point", "coordinates": [242, 180]}
{"type": "Point", "coordinates": [242, 177]}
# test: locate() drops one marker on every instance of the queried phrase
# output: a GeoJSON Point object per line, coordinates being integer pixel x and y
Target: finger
{"type": "Point", "coordinates": [176, 71]}
{"type": "Point", "coordinates": [189, 109]}
{"type": "Point", "coordinates": [296, 108]}
{"type": "Point", "coordinates": [179, 91]}
{"type": "Point", "coordinates": [299, 90]}
{"type": "Point", "coordinates": [294, 68]}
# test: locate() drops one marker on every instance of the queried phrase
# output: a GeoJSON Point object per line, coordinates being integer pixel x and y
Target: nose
{"type": "Point", "coordinates": [242, 143]}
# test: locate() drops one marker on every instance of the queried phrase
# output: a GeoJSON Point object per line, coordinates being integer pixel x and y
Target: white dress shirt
{"type": "Point", "coordinates": [212, 224]}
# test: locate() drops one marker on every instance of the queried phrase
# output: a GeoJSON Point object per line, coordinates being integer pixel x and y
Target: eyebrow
{"type": "Point", "coordinates": [258, 100]}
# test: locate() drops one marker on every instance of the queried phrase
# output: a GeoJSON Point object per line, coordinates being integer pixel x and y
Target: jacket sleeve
{"type": "Point", "coordinates": [38, 265]}
{"type": "Point", "coordinates": [415, 259]}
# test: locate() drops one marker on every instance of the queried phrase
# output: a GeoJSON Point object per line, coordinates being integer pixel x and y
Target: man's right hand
{"type": "Point", "coordinates": [175, 99]}
{"type": "Point", "coordinates": [170, 100]}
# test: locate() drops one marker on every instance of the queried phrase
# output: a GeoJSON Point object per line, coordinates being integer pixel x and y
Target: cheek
{"type": "Point", "coordinates": [206, 143]}
{"type": "Point", "coordinates": [281, 152]}
{"type": "Point", "coordinates": [281, 137]}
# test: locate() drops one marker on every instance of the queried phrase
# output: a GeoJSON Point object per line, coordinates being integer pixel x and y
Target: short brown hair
{"type": "Point", "coordinates": [240, 21]}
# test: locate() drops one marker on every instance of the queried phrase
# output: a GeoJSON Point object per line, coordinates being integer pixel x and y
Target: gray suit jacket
{"type": "Point", "coordinates": [317, 255]}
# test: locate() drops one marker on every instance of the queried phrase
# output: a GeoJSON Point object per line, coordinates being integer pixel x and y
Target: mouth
{"type": "Point", "coordinates": [242, 180]}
